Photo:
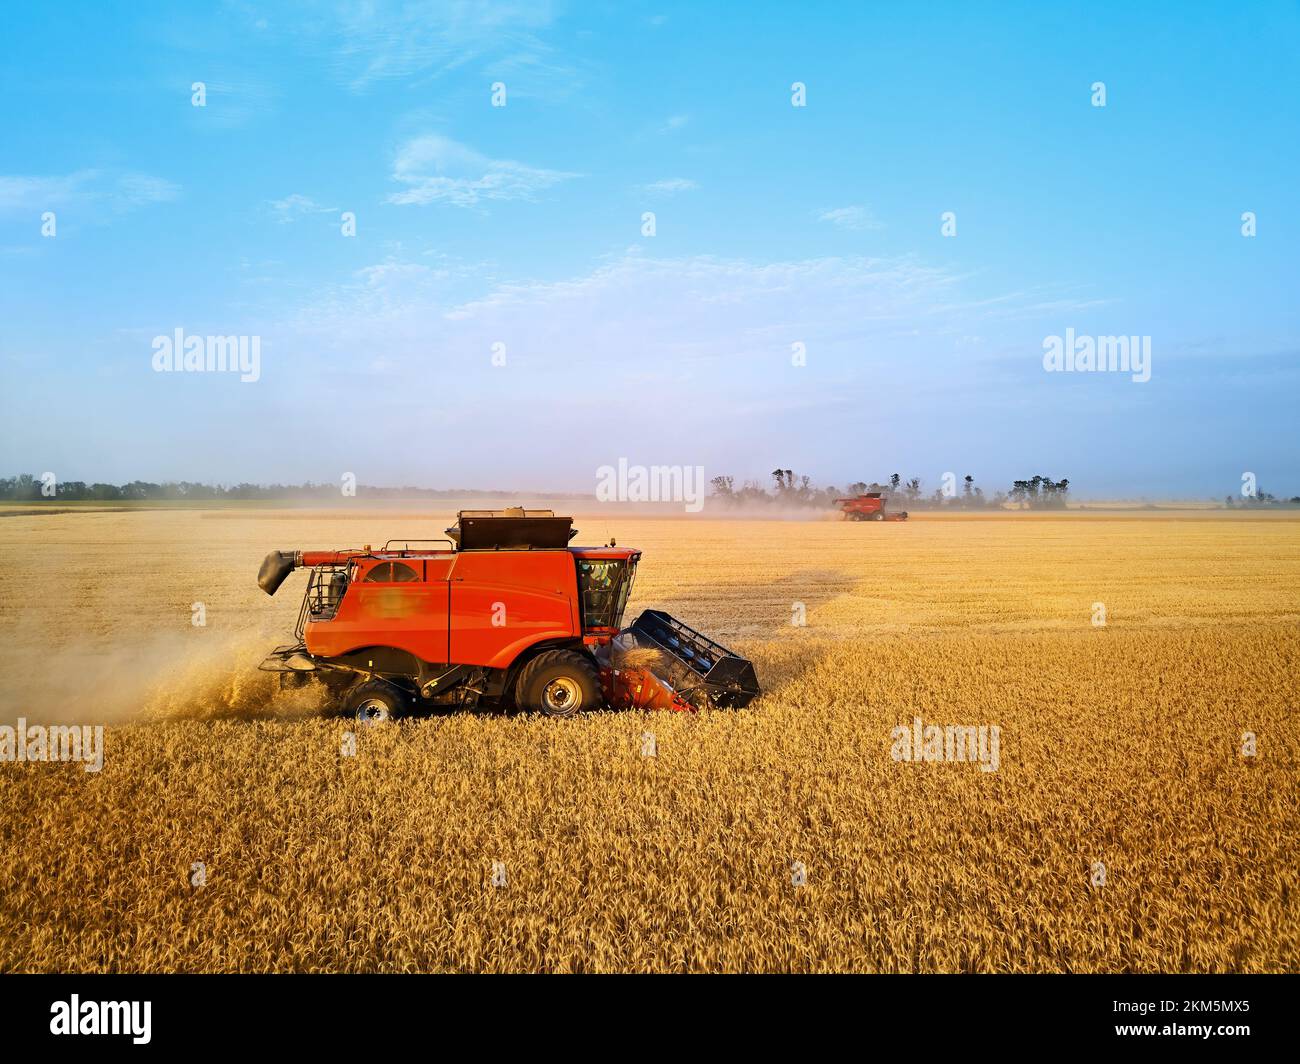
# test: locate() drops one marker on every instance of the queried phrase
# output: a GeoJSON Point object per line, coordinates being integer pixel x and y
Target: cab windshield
{"type": "Point", "coordinates": [605, 585]}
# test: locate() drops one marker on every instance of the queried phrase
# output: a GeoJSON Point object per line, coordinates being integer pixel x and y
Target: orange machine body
{"type": "Point", "coordinates": [479, 608]}
{"type": "Point", "coordinates": [869, 507]}
{"type": "Point", "coordinates": [509, 613]}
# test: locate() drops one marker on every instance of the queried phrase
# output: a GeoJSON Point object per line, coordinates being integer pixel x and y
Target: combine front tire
{"type": "Point", "coordinates": [373, 702]}
{"type": "Point", "coordinates": [558, 683]}
{"type": "Point", "coordinates": [878, 516]}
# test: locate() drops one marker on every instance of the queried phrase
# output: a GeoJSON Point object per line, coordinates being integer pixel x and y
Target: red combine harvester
{"type": "Point", "coordinates": [869, 507]}
{"type": "Point", "coordinates": [507, 612]}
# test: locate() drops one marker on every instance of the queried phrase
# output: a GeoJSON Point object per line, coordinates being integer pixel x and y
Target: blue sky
{"type": "Point", "coordinates": [522, 225]}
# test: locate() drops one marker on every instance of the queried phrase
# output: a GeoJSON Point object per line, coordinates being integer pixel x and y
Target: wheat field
{"type": "Point", "coordinates": [1124, 830]}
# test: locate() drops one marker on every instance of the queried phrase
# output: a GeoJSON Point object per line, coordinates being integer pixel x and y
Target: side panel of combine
{"type": "Point", "coordinates": [502, 602]}
{"type": "Point", "coordinates": [402, 603]}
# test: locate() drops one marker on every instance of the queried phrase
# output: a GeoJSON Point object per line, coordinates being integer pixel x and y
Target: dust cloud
{"type": "Point", "coordinates": [190, 676]}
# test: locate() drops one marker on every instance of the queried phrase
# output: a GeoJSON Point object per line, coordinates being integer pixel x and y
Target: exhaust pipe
{"type": "Point", "coordinates": [276, 567]}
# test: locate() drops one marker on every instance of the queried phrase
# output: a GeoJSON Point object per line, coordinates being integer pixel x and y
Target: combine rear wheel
{"type": "Point", "coordinates": [373, 702]}
{"type": "Point", "coordinates": [558, 683]}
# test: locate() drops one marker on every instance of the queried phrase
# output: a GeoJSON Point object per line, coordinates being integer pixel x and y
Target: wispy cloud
{"type": "Point", "coordinates": [674, 123]}
{"type": "Point", "coordinates": [235, 96]}
{"type": "Point", "coordinates": [119, 191]}
{"type": "Point", "coordinates": [690, 315]}
{"type": "Point", "coordinates": [855, 219]}
{"type": "Point", "coordinates": [651, 311]}
{"type": "Point", "coordinates": [434, 168]}
{"type": "Point", "coordinates": [294, 206]}
{"type": "Point", "coordinates": [668, 187]}
{"type": "Point", "coordinates": [734, 298]}
{"type": "Point", "coordinates": [696, 324]}
{"type": "Point", "coordinates": [383, 40]}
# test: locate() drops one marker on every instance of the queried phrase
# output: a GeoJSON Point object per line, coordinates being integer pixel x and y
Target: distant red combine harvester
{"type": "Point", "coordinates": [869, 507]}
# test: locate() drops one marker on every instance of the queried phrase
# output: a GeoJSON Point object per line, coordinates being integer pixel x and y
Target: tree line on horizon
{"type": "Point", "coordinates": [789, 489]}
{"type": "Point", "coordinates": [28, 488]}
{"type": "Point", "coordinates": [1033, 493]}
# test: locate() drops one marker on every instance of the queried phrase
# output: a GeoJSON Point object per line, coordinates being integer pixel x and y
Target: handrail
{"type": "Point", "coordinates": [440, 539]}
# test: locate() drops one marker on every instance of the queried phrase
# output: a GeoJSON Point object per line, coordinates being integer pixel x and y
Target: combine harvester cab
{"type": "Point", "coordinates": [503, 611]}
